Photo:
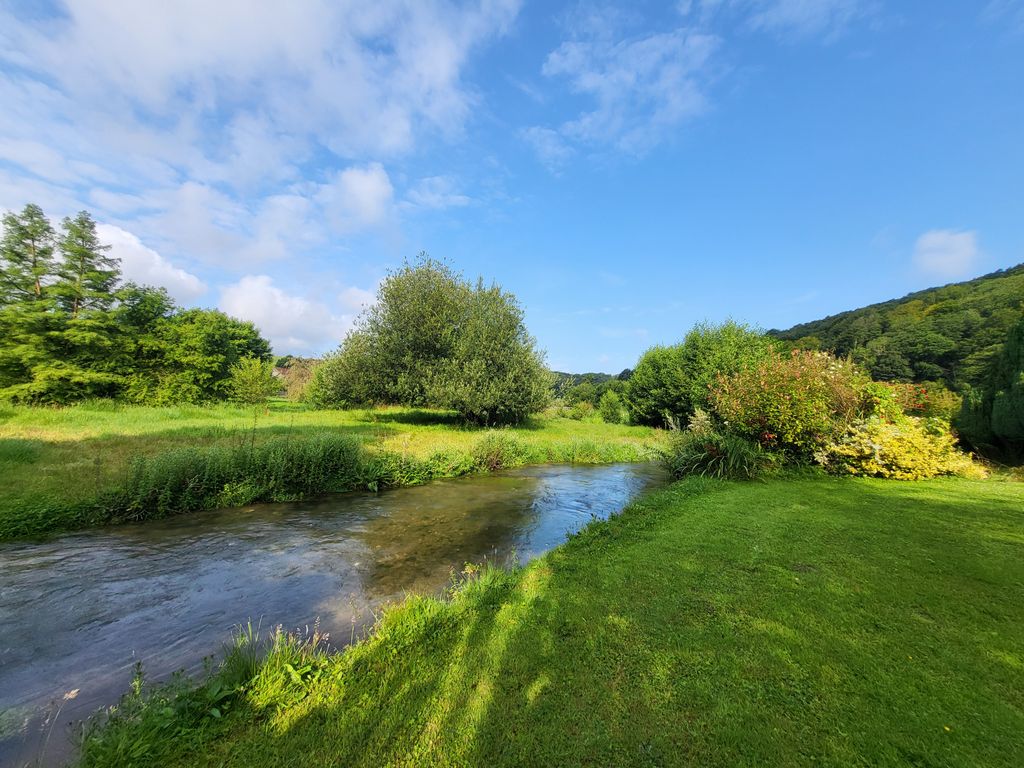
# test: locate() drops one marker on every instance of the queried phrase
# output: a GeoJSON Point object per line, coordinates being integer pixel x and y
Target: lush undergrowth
{"type": "Point", "coordinates": [95, 463]}
{"type": "Point", "coordinates": [814, 621]}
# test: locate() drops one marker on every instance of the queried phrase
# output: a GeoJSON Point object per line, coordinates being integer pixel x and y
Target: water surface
{"type": "Point", "coordinates": [77, 612]}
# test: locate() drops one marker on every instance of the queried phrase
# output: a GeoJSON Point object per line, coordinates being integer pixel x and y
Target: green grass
{"type": "Point", "coordinates": [812, 621]}
{"type": "Point", "coordinates": [60, 466]}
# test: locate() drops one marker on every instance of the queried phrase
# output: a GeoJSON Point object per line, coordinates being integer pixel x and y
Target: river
{"type": "Point", "coordinates": [78, 611]}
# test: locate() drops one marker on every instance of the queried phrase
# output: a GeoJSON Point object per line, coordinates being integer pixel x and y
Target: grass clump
{"type": "Point", "coordinates": [718, 455]}
{"type": "Point", "coordinates": [62, 468]}
{"type": "Point", "coordinates": [817, 621]}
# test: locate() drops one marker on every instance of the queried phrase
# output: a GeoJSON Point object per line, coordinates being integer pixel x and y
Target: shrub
{"type": "Point", "coordinates": [796, 402]}
{"type": "Point", "coordinates": [907, 449]}
{"type": "Point", "coordinates": [498, 450]}
{"type": "Point", "coordinates": [930, 399]}
{"type": "Point", "coordinates": [610, 407]}
{"type": "Point", "coordinates": [716, 454]}
{"type": "Point", "coordinates": [670, 382]}
{"type": "Point", "coordinates": [654, 393]}
{"type": "Point", "coordinates": [251, 381]}
{"type": "Point", "coordinates": [582, 410]}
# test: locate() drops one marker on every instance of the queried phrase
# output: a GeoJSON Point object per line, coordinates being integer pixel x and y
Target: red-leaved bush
{"type": "Point", "coordinates": [793, 401]}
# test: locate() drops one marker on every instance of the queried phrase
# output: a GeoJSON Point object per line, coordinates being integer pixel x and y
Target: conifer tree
{"type": "Point", "coordinates": [26, 255]}
{"type": "Point", "coordinates": [87, 274]}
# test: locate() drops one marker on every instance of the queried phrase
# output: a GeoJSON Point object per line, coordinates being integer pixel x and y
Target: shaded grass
{"type": "Point", "coordinates": [813, 621]}
{"type": "Point", "coordinates": [68, 468]}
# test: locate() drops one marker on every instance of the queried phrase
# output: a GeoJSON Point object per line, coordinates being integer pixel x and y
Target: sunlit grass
{"type": "Point", "coordinates": [796, 622]}
{"type": "Point", "coordinates": [53, 457]}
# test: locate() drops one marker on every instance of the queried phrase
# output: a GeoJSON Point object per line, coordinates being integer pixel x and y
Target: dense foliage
{"type": "Point", "coordinates": [993, 413]}
{"type": "Point", "coordinates": [69, 330]}
{"type": "Point", "coordinates": [432, 339]}
{"type": "Point", "coordinates": [670, 383]}
{"type": "Point", "coordinates": [903, 449]}
{"type": "Point", "coordinates": [748, 407]}
{"type": "Point", "coordinates": [948, 334]}
{"type": "Point", "coordinates": [791, 401]}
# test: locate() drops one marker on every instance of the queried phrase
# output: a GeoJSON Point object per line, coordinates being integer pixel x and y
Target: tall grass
{"type": "Point", "coordinates": [280, 468]}
{"type": "Point", "coordinates": [714, 454]}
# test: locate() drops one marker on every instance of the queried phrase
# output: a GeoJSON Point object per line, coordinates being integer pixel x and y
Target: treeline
{"type": "Point", "coordinates": [949, 334]}
{"type": "Point", "coordinates": [70, 329]}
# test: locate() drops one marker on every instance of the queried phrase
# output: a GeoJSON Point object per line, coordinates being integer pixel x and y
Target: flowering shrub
{"type": "Point", "coordinates": [796, 402]}
{"type": "Point", "coordinates": [928, 399]}
{"type": "Point", "coordinates": [906, 449]}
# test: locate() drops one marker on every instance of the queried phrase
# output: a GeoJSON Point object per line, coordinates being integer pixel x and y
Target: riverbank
{"type": "Point", "coordinates": [808, 621]}
{"type": "Point", "coordinates": [96, 463]}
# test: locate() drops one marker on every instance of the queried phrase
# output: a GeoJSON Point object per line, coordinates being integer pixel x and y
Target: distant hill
{"type": "Point", "coordinates": [946, 334]}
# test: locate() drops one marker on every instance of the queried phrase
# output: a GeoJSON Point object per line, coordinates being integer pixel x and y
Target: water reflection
{"type": "Point", "coordinates": [79, 611]}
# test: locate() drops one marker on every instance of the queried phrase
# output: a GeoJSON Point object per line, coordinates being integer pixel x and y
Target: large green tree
{"type": "Point", "coordinates": [87, 275]}
{"type": "Point", "coordinates": [67, 331]}
{"type": "Point", "coordinates": [493, 373]}
{"type": "Point", "coordinates": [26, 254]}
{"type": "Point", "coordinates": [670, 383]}
{"type": "Point", "coordinates": [433, 339]}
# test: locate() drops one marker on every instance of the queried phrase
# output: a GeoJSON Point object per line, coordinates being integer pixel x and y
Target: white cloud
{"type": "Point", "coordinates": [642, 86]}
{"type": "Point", "coordinates": [807, 18]}
{"type": "Point", "coordinates": [293, 324]}
{"type": "Point", "coordinates": [357, 198]}
{"type": "Point", "coordinates": [947, 253]}
{"type": "Point", "coordinates": [145, 266]}
{"type": "Point", "coordinates": [791, 18]}
{"type": "Point", "coordinates": [549, 145]}
{"type": "Point", "coordinates": [194, 124]}
{"type": "Point", "coordinates": [1009, 13]}
{"type": "Point", "coordinates": [355, 300]}
{"type": "Point", "coordinates": [436, 192]}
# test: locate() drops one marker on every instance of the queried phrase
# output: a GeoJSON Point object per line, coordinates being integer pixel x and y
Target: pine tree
{"type": "Point", "coordinates": [26, 255]}
{"type": "Point", "coordinates": [87, 274]}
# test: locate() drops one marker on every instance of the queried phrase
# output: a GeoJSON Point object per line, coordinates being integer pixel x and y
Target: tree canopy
{"type": "Point", "coordinates": [670, 383]}
{"type": "Point", "coordinates": [433, 339]}
{"type": "Point", "coordinates": [70, 330]}
{"type": "Point", "coordinates": [949, 334]}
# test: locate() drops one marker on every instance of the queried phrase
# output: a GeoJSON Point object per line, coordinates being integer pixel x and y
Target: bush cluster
{"type": "Point", "coordinates": [907, 449]}
{"type": "Point", "coordinates": [798, 407]}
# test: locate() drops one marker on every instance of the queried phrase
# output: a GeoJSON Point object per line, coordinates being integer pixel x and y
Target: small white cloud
{"type": "Point", "coordinates": [806, 18]}
{"type": "Point", "coordinates": [550, 147]}
{"type": "Point", "coordinates": [946, 252]}
{"type": "Point", "coordinates": [293, 324]}
{"type": "Point", "coordinates": [642, 87]}
{"type": "Point", "coordinates": [357, 198]}
{"type": "Point", "coordinates": [145, 266]}
{"type": "Point", "coordinates": [437, 192]}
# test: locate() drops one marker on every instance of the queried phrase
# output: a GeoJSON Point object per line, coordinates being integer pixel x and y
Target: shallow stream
{"type": "Point", "coordinates": [78, 611]}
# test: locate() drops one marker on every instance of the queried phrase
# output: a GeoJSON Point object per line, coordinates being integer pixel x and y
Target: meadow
{"type": "Point", "coordinates": [803, 621]}
{"type": "Point", "coordinates": [61, 467]}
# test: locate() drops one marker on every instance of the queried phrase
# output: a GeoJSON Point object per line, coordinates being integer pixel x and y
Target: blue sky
{"type": "Point", "coordinates": [626, 170]}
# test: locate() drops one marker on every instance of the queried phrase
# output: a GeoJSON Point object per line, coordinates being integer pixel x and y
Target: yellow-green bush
{"type": "Point", "coordinates": [904, 449]}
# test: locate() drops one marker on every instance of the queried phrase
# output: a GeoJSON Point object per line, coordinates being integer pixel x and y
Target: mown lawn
{"type": "Point", "coordinates": [798, 622]}
{"type": "Point", "coordinates": [51, 457]}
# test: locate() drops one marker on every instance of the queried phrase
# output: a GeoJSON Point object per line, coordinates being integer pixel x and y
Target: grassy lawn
{"type": "Point", "coordinates": [810, 621]}
{"type": "Point", "coordinates": [62, 456]}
